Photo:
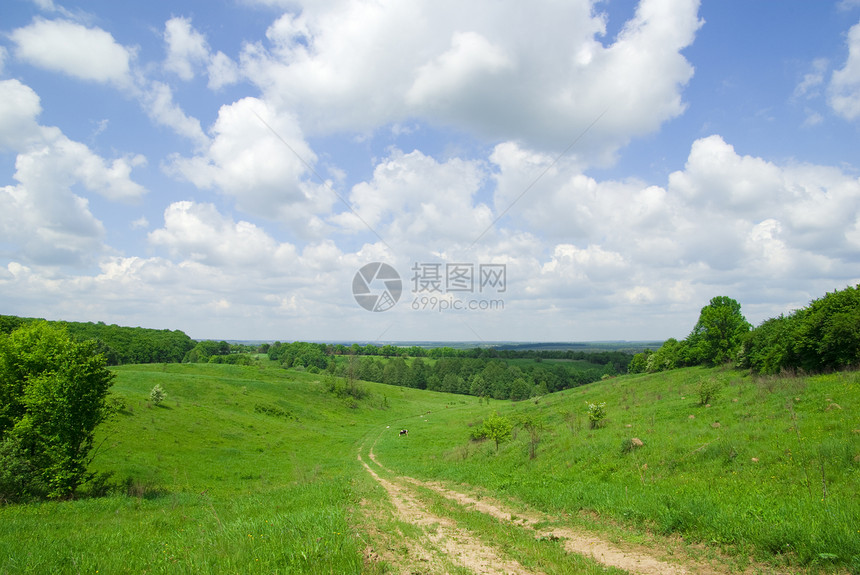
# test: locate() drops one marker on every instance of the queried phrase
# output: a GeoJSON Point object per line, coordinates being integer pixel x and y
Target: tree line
{"type": "Point", "coordinates": [823, 336]}
{"type": "Point", "coordinates": [120, 345]}
{"type": "Point", "coordinates": [454, 373]}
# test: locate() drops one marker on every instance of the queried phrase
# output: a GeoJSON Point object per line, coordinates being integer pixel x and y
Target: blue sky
{"type": "Point", "coordinates": [225, 168]}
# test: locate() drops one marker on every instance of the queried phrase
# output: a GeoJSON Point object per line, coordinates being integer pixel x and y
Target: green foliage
{"type": "Point", "coordinates": [719, 333]}
{"type": "Point", "coordinates": [205, 350]}
{"type": "Point", "coordinates": [53, 394]}
{"type": "Point", "coordinates": [823, 336]}
{"type": "Point", "coordinates": [157, 394]}
{"type": "Point", "coordinates": [639, 363]}
{"type": "Point", "coordinates": [736, 478]}
{"type": "Point", "coordinates": [119, 345]}
{"type": "Point", "coordinates": [828, 336]}
{"type": "Point", "coordinates": [596, 414]}
{"type": "Point", "coordinates": [299, 354]}
{"type": "Point", "coordinates": [708, 389]}
{"type": "Point", "coordinates": [770, 348]}
{"type": "Point", "coordinates": [521, 389]}
{"type": "Point", "coordinates": [498, 428]}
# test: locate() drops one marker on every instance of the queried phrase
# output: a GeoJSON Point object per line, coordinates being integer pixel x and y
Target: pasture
{"type": "Point", "coordinates": [255, 470]}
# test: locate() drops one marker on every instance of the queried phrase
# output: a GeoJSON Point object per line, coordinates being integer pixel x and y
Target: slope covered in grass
{"type": "Point", "coordinates": [254, 469]}
{"type": "Point", "coordinates": [771, 467]}
{"type": "Point", "coordinates": [240, 469]}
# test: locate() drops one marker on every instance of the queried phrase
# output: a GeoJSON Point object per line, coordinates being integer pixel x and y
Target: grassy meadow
{"type": "Point", "coordinates": [255, 470]}
{"type": "Point", "coordinates": [770, 469]}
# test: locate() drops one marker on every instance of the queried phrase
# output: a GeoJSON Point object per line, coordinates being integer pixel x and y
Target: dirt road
{"type": "Point", "coordinates": [442, 544]}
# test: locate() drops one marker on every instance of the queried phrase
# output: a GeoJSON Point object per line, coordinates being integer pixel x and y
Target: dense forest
{"type": "Point", "coordinates": [482, 372]}
{"type": "Point", "coordinates": [120, 345]}
{"type": "Point", "coordinates": [824, 336]}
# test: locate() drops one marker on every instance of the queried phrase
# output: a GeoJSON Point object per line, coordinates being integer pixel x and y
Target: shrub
{"type": "Point", "coordinates": [157, 395]}
{"type": "Point", "coordinates": [708, 389]}
{"type": "Point", "coordinates": [596, 414]}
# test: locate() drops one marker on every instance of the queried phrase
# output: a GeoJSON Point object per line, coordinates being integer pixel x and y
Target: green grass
{"type": "Point", "coordinates": [241, 469]}
{"type": "Point", "coordinates": [254, 470]}
{"type": "Point", "coordinates": [796, 505]}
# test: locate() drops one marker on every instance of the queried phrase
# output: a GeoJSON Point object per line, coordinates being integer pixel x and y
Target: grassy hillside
{"type": "Point", "coordinates": [241, 469]}
{"type": "Point", "coordinates": [254, 469]}
{"type": "Point", "coordinates": [771, 467]}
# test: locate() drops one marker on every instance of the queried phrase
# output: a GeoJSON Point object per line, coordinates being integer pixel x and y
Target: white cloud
{"type": "Point", "coordinates": [186, 48]}
{"type": "Point", "coordinates": [19, 107]}
{"type": "Point", "coordinates": [159, 104]}
{"type": "Point", "coordinates": [249, 161]}
{"type": "Point", "coordinates": [198, 232]}
{"type": "Point", "coordinates": [505, 72]}
{"type": "Point", "coordinates": [70, 48]}
{"type": "Point", "coordinates": [844, 96]}
{"type": "Point", "coordinates": [92, 54]}
{"type": "Point", "coordinates": [811, 81]}
{"type": "Point", "coordinates": [43, 219]}
{"type": "Point", "coordinates": [222, 71]}
{"type": "Point", "coordinates": [140, 223]}
{"type": "Point", "coordinates": [415, 202]}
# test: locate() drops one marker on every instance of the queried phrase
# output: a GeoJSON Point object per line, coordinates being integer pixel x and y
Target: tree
{"type": "Point", "coordinates": [828, 335]}
{"type": "Point", "coordinates": [53, 394]}
{"type": "Point", "coordinates": [157, 395]}
{"type": "Point", "coordinates": [719, 333]}
{"type": "Point", "coordinates": [498, 428]}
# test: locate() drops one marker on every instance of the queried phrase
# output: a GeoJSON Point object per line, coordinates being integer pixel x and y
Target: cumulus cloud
{"type": "Point", "coordinates": [19, 107]}
{"type": "Point", "coordinates": [186, 48]}
{"type": "Point", "coordinates": [414, 201]}
{"type": "Point", "coordinates": [844, 96]}
{"type": "Point", "coordinates": [92, 54]}
{"type": "Point", "coordinates": [724, 219]}
{"type": "Point", "coordinates": [526, 72]}
{"type": "Point", "coordinates": [222, 71]}
{"type": "Point", "coordinates": [161, 107]}
{"type": "Point", "coordinates": [43, 218]}
{"type": "Point", "coordinates": [73, 49]}
{"type": "Point", "coordinates": [260, 158]}
{"type": "Point", "coordinates": [198, 232]}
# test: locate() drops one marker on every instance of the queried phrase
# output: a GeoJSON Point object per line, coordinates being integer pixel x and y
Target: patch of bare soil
{"type": "Point", "coordinates": [443, 541]}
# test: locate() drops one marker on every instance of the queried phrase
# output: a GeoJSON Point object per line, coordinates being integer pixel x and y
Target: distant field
{"type": "Point", "coordinates": [255, 470]}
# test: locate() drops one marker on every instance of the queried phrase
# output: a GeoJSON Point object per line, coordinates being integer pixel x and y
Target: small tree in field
{"type": "Point", "coordinates": [498, 428]}
{"type": "Point", "coordinates": [157, 395]}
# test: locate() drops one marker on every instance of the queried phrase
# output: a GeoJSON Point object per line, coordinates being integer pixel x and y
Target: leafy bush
{"type": "Point", "coordinates": [596, 414]}
{"type": "Point", "coordinates": [157, 395]}
{"type": "Point", "coordinates": [708, 389]}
